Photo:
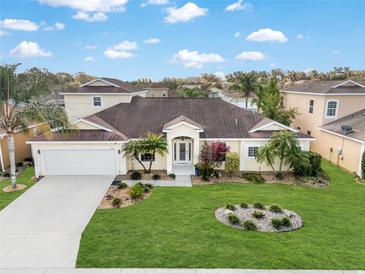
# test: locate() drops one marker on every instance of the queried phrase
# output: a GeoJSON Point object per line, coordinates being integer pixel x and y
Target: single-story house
{"type": "Point", "coordinates": [96, 146]}
{"type": "Point", "coordinates": [344, 141]}
{"type": "Point", "coordinates": [154, 89]}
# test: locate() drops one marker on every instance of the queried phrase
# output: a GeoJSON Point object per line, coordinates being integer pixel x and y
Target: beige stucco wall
{"type": "Point", "coordinates": [158, 164]}
{"type": "Point", "coordinates": [157, 92]}
{"type": "Point", "coordinates": [351, 151]}
{"type": "Point", "coordinates": [22, 149]}
{"type": "Point", "coordinates": [81, 105]}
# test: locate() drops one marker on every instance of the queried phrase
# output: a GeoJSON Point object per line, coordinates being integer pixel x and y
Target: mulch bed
{"type": "Point", "coordinates": [9, 188]}
{"type": "Point", "coordinates": [264, 224]}
{"type": "Point", "coordinates": [122, 194]}
{"type": "Point", "coordinates": [270, 178]}
{"type": "Point", "coordinates": [145, 176]}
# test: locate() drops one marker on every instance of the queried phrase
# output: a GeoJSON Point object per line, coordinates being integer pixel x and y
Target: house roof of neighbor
{"type": "Point", "coordinates": [352, 125]}
{"type": "Point", "coordinates": [328, 87]}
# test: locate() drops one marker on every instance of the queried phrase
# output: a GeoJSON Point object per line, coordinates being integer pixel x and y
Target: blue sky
{"type": "Point", "coordinates": [165, 38]}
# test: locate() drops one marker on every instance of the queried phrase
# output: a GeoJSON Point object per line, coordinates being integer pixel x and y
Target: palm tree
{"type": "Point", "coordinates": [20, 106]}
{"type": "Point", "coordinates": [284, 146]}
{"type": "Point", "coordinates": [245, 83]}
{"type": "Point", "coordinates": [151, 144]}
{"type": "Point", "coordinates": [259, 97]}
{"type": "Point", "coordinates": [154, 144]}
{"type": "Point", "coordinates": [135, 149]}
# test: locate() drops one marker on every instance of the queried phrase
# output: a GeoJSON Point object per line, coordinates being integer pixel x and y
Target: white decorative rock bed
{"type": "Point", "coordinates": [262, 225]}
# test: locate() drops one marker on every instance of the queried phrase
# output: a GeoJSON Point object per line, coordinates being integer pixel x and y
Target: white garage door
{"type": "Point", "coordinates": [79, 162]}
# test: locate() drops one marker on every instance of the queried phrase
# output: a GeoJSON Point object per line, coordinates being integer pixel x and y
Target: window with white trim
{"type": "Point", "coordinates": [146, 157]}
{"type": "Point", "coordinates": [331, 110]}
{"type": "Point", "coordinates": [252, 151]}
{"type": "Point", "coordinates": [311, 106]}
{"type": "Point", "coordinates": [97, 101]}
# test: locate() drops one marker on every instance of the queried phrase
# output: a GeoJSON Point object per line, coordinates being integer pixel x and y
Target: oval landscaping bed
{"type": "Point", "coordinates": [258, 217]}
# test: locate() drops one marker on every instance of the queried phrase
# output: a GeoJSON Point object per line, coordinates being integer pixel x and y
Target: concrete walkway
{"type": "Point", "coordinates": [180, 180]}
{"type": "Point", "coordinates": [42, 228]}
{"type": "Point", "coordinates": [170, 271]}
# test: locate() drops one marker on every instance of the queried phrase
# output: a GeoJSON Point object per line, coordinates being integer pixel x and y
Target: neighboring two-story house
{"type": "Point", "coordinates": [320, 103]}
{"type": "Point", "coordinates": [97, 95]}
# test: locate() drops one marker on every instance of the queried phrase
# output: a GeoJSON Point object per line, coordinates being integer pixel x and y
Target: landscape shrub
{"type": "Point", "coordinates": [116, 202]}
{"type": "Point", "coordinates": [233, 219]}
{"type": "Point", "coordinates": [122, 185]}
{"type": "Point", "coordinates": [308, 164]}
{"type": "Point", "coordinates": [254, 177]}
{"type": "Point", "coordinates": [232, 164]}
{"type": "Point", "coordinates": [258, 214]}
{"type": "Point", "coordinates": [249, 226]}
{"type": "Point", "coordinates": [136, 175]}
{"type": "Point", "coordinates": [156, 177]}
{"type": "Point", "coordinates": [147, 187]}
{"type": "Point", "coordinates": [279, 223]}
{"type": "Point", "coordinates": [136, 191]}
{"type": "Point", "coordinates": [363, 166]}
{"type": "Point", "coordinates": [230, 207]}
{"type": "Point", "coordinates": [258, 205]}
{"type": "Point", "coordinates": [244, 205]}
{"type": "Point", "coordinates": [172, 175]}
{"type": "Point", "coordinates": [275, 208]}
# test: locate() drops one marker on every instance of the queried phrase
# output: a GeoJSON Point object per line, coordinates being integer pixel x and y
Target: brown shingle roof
{"type": "Point", "coordinates": [218, 118]}
{"type": "Point", "coordinates": [79, 135]}
{"type": "Point", "coordinates": [355, 120]}
{"type": "Point", "coordinates": [317, 86]}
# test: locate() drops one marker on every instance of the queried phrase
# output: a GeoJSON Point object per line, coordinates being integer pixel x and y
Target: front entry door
{"type": "Point", "coordinates": [182, 152]}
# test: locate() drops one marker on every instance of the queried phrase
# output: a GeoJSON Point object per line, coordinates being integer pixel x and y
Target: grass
{"type": "Point", "coordinates": [176, 227]}
{"type": "Point", "coordinates": [25, 178]}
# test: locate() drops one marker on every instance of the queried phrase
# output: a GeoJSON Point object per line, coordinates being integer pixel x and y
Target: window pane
{"type": "Point", "coordinates": [252, 151]}
{"type": "Point", "coordinates": [182, 149]}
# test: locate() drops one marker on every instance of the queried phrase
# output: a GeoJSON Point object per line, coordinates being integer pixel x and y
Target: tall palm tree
{"type": "Point", "coordinates": [245, 83]}
{"type": "Point", "coordinates": [283, 146]}
{"type": "Point", "coordinates": [151, 144]}
{"type": "Point", "coordinates": [21, 106]}
{"type": "Point", "coordinates": [154, 144]}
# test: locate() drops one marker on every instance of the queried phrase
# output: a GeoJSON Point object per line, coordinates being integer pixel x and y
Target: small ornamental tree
{"type": "Point", "coordinates": [219, 150]}
{"type": "Point", "coordinates": [232, 164]}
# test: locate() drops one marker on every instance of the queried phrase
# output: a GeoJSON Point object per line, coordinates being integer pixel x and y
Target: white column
{"type": "Point", "coordinates": [169, 154]}
{"type": "Point", "coordinates": [242, 156]}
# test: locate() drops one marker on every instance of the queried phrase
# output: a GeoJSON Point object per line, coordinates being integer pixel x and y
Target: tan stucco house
{"type": "Point", "coordinates": [322, 103]}
{"type": "Point", "coordinates": [101, 130]}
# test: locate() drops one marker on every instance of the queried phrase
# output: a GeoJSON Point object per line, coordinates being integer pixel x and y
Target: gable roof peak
{"type": "Point", "coordinates": [349, 81]}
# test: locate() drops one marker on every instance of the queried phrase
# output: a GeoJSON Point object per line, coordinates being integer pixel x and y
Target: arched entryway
{"type": "Point", "coordinates": [182, 155]}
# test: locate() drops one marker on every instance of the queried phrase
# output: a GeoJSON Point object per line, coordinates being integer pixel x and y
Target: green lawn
{"type": "Point", "coordinates": [24, 178]}
{"type": "Point", "coordinates": [176, 227]}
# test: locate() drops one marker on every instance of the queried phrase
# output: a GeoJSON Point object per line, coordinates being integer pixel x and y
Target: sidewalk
{"type": "Point", "coordinates": [170, 271]}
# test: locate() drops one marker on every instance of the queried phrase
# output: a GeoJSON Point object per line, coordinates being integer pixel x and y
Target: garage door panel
{"type": "Point", "coordinates": [79, 162]}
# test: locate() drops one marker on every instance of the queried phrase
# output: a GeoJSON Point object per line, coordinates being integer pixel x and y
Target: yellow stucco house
{"type": "Point", "coordinates": [107, 113]}
{"type": "Point", "coordinates": [325, 110]}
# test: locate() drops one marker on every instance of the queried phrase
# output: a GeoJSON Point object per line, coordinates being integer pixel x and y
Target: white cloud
{"type": "Point", "coordinates": [154, 2]}
{"type": "Point", "coordinates": [194, 59]}
{"type": "Point", "coordinates": [29, 49]}
{"type": "Point", "coordinates": [152, 41]}
{"type": "Point", "coordinates": [301, 36]}
{"type": "Point", "coordinates": [90, 17]}
{"type": "Point", "coordinates": [18, 24]}
{"type": "Point", "coordinates": [220, 74]}
{"type": "Point", "coordinates": [91, 47]}
{"type": "Point", "coordinates": [115, 54]}
{"type": "Point", "coordinates": [89, 59]}
{"type": "Point", "coordinates": [91, 10]}
{"type": "Point", "coordinates": [250, 56]}
{"type": "Point", "coordinates": [267, 35]}
{"type": "Point", "coordinates": [126, 45]}
{"type": "Point", "coordinates": [237, 34]}
{"type": "Point", "coordinates": [184, 14]}
{"type": "Point", "coordinates": [239, 5]}
{"type": "Point", "coordinates": [121, 50]}
{"type": "Point", "coordinates": [57, 26]}
{"type": "Point", "coordinates": [335, 51]}
{"type": "Point", "coordinates": [4, 33]}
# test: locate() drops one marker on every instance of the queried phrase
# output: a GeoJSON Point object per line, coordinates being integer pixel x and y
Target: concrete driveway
{"type": "Point", "coordinates": [42, 228]}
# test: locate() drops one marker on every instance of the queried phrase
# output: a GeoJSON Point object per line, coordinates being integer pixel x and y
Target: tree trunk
{"type": "Point", "coordinates": [246, 102]}
{"type": "Point", "coordinates": [150, 166]}
{"type": "Point", "coordinates": [11, 149]}
{"type": "Point", "coordinates": [140, 162]}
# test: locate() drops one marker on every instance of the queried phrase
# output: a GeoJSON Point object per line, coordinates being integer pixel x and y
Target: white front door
{"type": "Point", "coordinates": [182, 152]}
